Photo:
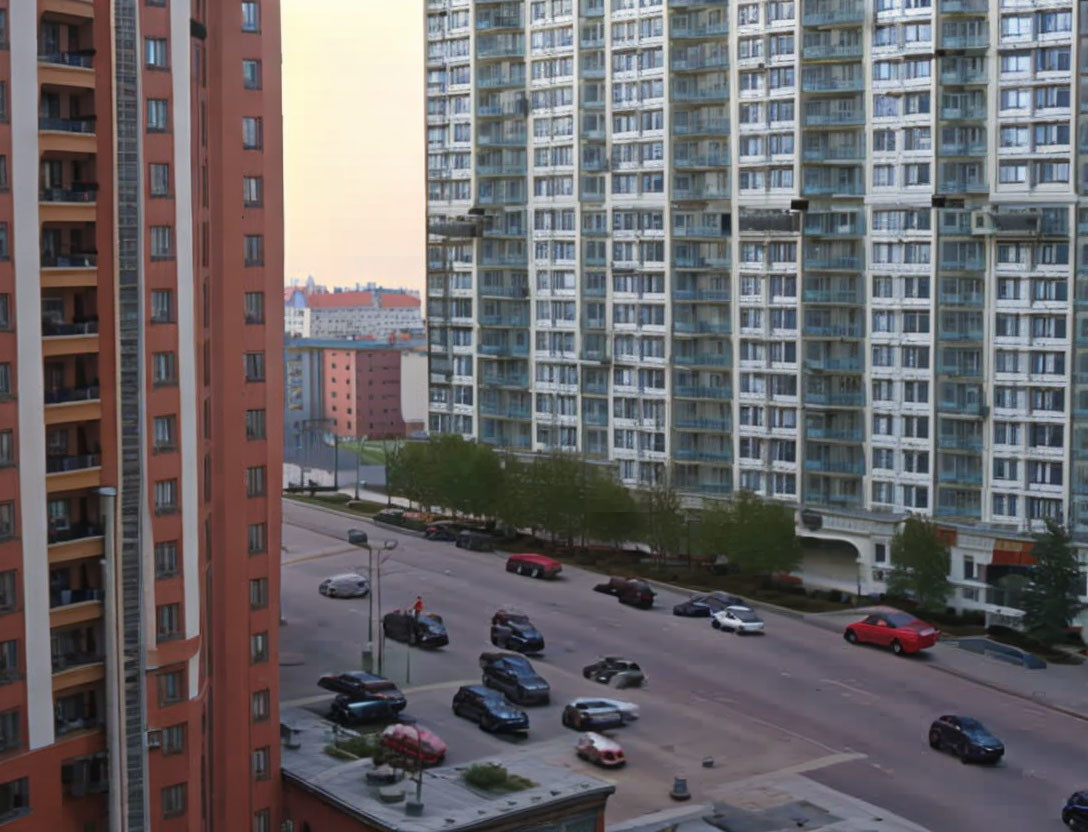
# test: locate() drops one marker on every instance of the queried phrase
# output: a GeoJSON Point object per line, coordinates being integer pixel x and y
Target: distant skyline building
{"type": "Point", "coordinates": [374, 312]}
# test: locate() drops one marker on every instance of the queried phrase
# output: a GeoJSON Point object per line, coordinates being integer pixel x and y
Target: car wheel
{"type": "Point", "coordinates": [897, 648]}
{"type": "Point", "coordinates": [739, 631]}
{"type": "Point", "coordinates": [331, 593]}
{"type": "Point", "coordinates": [935, 740]}
{"type": "Point", "coordinates": [850, 636]}
{"type": "Point", "coordinates": [963, 755]}
{"type": "Point", "coordinates": [457, 710]}
{"type": "Point", "coordinates": [715, 623]}
{"type": "Point", "coordinates": [565, 719]}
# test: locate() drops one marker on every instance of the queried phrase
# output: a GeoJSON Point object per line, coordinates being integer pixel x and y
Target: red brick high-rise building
{"type": "Point", "coordinates": [141, 247]}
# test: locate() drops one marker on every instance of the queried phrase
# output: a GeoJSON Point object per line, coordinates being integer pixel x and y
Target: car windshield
{"type": "Point", "coordinates": [433, 618]}
{"type": "Point", "coordinates": [744, 614]}
{"type": "Point", "coordinates": [975, 730]}
{"type": "Point", "coordinates": [901, 619]}
{"type": "Point", "coordinates": [516, 618]}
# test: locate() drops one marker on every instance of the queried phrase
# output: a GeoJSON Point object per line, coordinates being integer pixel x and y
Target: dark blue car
{"type": "Point", "coordinates": [1075, 813]}
{"type": "Point", "coordinates": [350, 712]}
{"type": "Point", "coordinates": [489, 709]}
{"type": "Point", "coordinates": [514, 676]}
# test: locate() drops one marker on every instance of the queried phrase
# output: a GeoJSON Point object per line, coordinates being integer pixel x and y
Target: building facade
{"type": "Point", "coordinates": [374, 313]}
{"type": "Point", "coordinates": [140, 166]}
{"type": "Point", "coordinates": [827, 251]}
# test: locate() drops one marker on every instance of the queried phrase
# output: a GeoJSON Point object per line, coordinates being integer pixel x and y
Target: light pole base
{"type": "Point", "coordinates": [368, 661]}
{"type": "Point", "coordinates": [413, 808]}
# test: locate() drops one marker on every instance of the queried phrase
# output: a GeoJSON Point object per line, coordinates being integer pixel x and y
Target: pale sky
{"type": "Point", "coordinates": [353, 141]}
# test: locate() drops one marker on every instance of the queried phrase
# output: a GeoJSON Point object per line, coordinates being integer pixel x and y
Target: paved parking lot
{"type": "Point", "coordinates": [797, 701]}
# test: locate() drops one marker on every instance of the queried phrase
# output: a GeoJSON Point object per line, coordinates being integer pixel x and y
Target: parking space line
{"type": "Point", "coordinates": [848, 687]}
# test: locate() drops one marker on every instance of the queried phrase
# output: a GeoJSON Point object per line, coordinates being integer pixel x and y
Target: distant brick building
{"type": "Point", "coordinates": [362, 392]}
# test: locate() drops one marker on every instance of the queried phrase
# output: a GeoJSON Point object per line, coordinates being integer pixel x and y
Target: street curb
{"type": "Point", "coordinates": [786, 611]}
{"type": "Point", "coordinates": [396, 528]}
{"type": "Point", "coordinates": [365, 518]}
{"type": "Point", "coordinates": [1042, 703]}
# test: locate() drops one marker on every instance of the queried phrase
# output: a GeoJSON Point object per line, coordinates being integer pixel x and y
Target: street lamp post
{"type": "Point", "coordinates": [358, 463]}
{"type": "Point", "coordinates": [375, 580]}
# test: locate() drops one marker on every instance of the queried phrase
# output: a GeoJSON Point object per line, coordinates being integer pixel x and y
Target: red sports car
{"type": "Point", "coordinates": [892, 628]}
{"type": "Point", "coordinates": [413, 743]}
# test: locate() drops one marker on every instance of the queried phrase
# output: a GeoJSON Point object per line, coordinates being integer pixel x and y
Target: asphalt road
{"type": "Point", "coordinates": [797, 699]}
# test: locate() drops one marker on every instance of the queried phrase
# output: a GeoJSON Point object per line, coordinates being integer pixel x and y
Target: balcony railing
{"type": "Point", "coordinates": [718, 425]}
{"type": "Point", "coordinates": [960, 443]}
{"type": "Point", "coordinates": [716, 61]}
{"type": "Point", "coordinates": [504, 349]}
{"type": "Point", "coordinates": [832, 263]}
{"type": "Point", "coordinates": [839, 434]}
{"type": "Point", "coordinates": [704, 30]}
{"type": "Point", "coordinates": [961, 477]}
{"type": "Point", "coordinates": [703, 359]}
{"type": "Point", "coordinates": [713, 488]}
{"type": "Point", "coordinates": [504, 320]}
{"type": "Point", "coordinates": [703, 392]}
{"type": "Point", "coordinates": [77, 193]}
{"type": "Point", "coordinates": [711, 327]}
{"type": "Point", "coordinates": [75, 658]}
{"type": "Point", "coordinates": [507, 412]}
{"type": "Point", "coordinates": [69, 261]}
{"type": "Point", "coordinates": [850, 364]}
{"type": "Point", "coordinates": [52, 329]}
{"type": "Point", "coordinates": [689, 455]}
{"type": "Point", "coordinates": [832, 84]}
{"type": "Point", "coordinates": [73, 394]}
{"type": "Point", "coordinates": [832, 189]}
{"type": "Point", "coordinates": [829, 17]}
{"type": "Point", "coordinates": [836, 466]}
{"type": "Point", "coordinates": [834, 118]}
{"type": "Point", "coordinates": [848, 296]}
{"type": "Point", "coordinates": [976, 41]}
{"type": "Point", "coordinates": [721, 295]}
{"type": "Point", "coordinates": [704, 94]}
{"type": "Point", "coordinates": [699, 126]}
{"type": "Point", "coordinates": [836, 50]}
{"type": "Point", "coordinates": [72, 462]}
{"type": "Point", "coordinates": [836, 399]}
{"type": "Point", "coordinates": [74, 531]}
{"type": "Point", "coordinates": [66, 725]}
{"type": "Point", "coordinates": [66, 597]}
{"type": "Point", "coordinates": [845, 153]}
{"type": "Point", "coordinates": [67, 125]}
{"type": "Point", "coordinates": [81, 59]}
{"type": "Point", "coordinates": [833, 330]}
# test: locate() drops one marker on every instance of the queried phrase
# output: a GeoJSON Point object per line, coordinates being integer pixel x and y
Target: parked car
{"type": "Point", "coordinates": [476, 541]}
{"type": "Point", "coordinates": [628, 710]}
{"type": "Point", "coordinates": [889, 627]}
{"type": "Point", "coordinates": [1075, 811]}
{"type": "Point", "coordinates": [705, 604]}
{"type": "Point", "coordinates": [489, 709]}
{"type": "Point", "coordinates": [591, 715]}
{"type": "Point", "coordinates": [425, 631]}
{"type": "Point", "coordinates": [616, 671]}
{"type": "Point", "coordinates": [612, 586]}
{"type": "Point", "coordinates": [347, 585]}
{"type": "Point", "coordinates": [535, 566]}
{"type": "Point", "coordinates": [359, 686]}
{"type": "Point", "coordinates": [965, 737]}
{"type": "Point", "coordinates": [737, 619]}
{"type": "Point", "coordinates": [514, 675]}
{"type": "Point", "coordinates": [512, 630]}
{"type": "Point", "coordinates": [392, 516]}
{"type": "Point", "coordinates": [357, 537]}
{"type": "Point", "coordinates": [443, 530]}
{"type": "Point", "coordinates": [601, 750]}
{"type": "Point", "coordinates": [412, 743]}
{"type": "Point", "coordinates": [637, 593]}
{"type": "Point", "coordinates": [349, 711]}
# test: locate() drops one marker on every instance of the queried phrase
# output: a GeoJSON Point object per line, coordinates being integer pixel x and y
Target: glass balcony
{"type": "Point", "coordinates": [703, 94]}
{"type": "Point", "coordinates": [69, 261]}
{"type": "Point", "coordinates": [708, 126]}
{"type": "Point", "coordinates": [71, 462]}
{"type": "Point", "coordinates": [832, 84]}
{"type": "Point", "coordinates": [966, 41]}
{"type": "Point", "coordinates": [519, 380]}
{"type": "Point", "coordinates": [721, 295]}
{"type": "Point", "coordinates": [833, 364]}
{"type": "Point", "coordinates": [80, 711]}
{"type": "Point", "coordinates": [836, 466]}
{"type": "Point", "coordinates": [85, 124]}
{"type": "Point", "coordinates": [83, 59]}
{"type": "Point", "coordinates": [504, 350]}
{"type": "Point", "coordinates": [960, 443]}
{"type": "Point", "coordinates": [833, 189]}
{"type": "Point", "coordinates": [835, 117]}
{"type": "Point", "coordinates": [504, 320]}
{"type": "Point", "coordinates": [703, 359]}
{"type": "Point", "coordinates": [961, 477]}
{"type": "Point", "coordinates": [699, 30]}
{"type": "Point", "coordinates": [832, 50]}
{"type": "Point", "coordinates": [843, 15]}
{"type": "Point", "coordinates": [62, 395]}
{"type": "Point", "coordinates": [504, 411]}
{"type": "Point", "coordinates": [703, 392]}
{"type": "Point", "coordinates": [79, 192]}
{"type": "Point", "coordinates": [835, 399]}
{"type": "Point", "coordinates": [52, 329]}
{"type": "Point", "coordinates": [689, 455]}
{"type": "Point", "coordinates": [720, 489]}
{"type": "Point", "coordinates": [713, 425]}
{"type": "Point", "coordinates": [485, 22]}
{"type": "Point", "coordinates": [844, 296]}
{"type": "Point", "coordinates": [703, 327]}
{"type": "Point", "coordinates": [834, 330]}
{"type": "Point", "coordinates": [855, 434]}
{"type": "Point", "coordinates": [719, 60]}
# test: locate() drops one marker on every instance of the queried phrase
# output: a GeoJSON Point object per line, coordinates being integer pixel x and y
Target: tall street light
{"type": "Point", "coordinates": [357, 537]}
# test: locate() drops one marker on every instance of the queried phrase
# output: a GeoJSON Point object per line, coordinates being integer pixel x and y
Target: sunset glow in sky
{"type": "Point", "coordinates": [353, 141]}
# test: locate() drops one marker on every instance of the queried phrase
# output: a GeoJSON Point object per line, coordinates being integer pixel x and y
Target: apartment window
{"type": "Point", "coordinates": [9, 730]}
{"type": "Point", "coordinates": [162, 306]}
{"type": "Point", "coordinates": [162, 242]}
{"type": "Point", "coordinates": [261, 764]}
{"type": "Point", "coordinates": [258, 538]}
{"type": "Point", "coordinates": [262, 820]}
{"type": "Point", "coordinates": [166, 496]}
{"type": "Point", "coordinates": [252, 133]}
{"type": "Point", "coordinates": [4, 184]}
{"type": "Point", "coordinates": [7, 520]}
{"type": "Point", "coordinates": [155, 53]}
{"type": "Point", "coordinates": [173, 800]}
{"type": "Point", "coordinates": [5, 248]}
{"type": "Point", "coordinates": [168, 621]}
{"type": "Point", "coordinates": [158, 115]}
{"type": "Point", "coordinates": [251, 16]}
{"type": "Point", "coordinates": [251, 74]}
{"type": "Point", "coordinates": [254, 366]}
{"type": "Point", "coordinates": [4, 115]}
{"type": "Point", "coordinates": [166, 559]}
{"type": "Point", "coordinates": [258, 593]}
{"type": "Point", "coordinates": [165, 432]}
{"type": "Point", "coordinates": [3, 28]}
{"type": "Point", "coordinates": [159, 179]}
{"type": "Point", "coordinates": [7, 448]}
{"type": "Point", "coordinates": [9, 661]}
{"type": "Point", "coordinates": [8, 596]}
{"type": "Point", "coordinates": [260, 705]}
{"type": "Point", "coordinates": [173, 739]}
{"type": "Point", "coordinates": [255, 424]}
{"type": "Point", "coordinates": [164, 369]}
{"type": "Point", "coordinates": [254, 303]}
{"type": "Point", "coordinates": [258, 648]}
{"type": "Point", "coordinates": [254, 250]}
{"type": "Point", "coordinates": [255, 481]}
{"type": "Point", "coordinates": [171, 687]}
{"type": "Point", "coordinates": [253, 191]}
{"type": "Point", "coordinates": [881, 553]}
{"type": "Point", "coordinates": [14, 798]}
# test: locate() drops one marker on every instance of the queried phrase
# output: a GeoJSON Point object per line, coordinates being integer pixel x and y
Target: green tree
{"type": "Point", "coordinates": [920, 565]}
{"type": "Point", "coordinates": [663, 526]}
{"type": "Point", "coordinates": [756, 536]}
{"type": "Point", "coordinates": [409, 473]}
{"type": "Point", "coordinates": [611, 515]}
{"type": "Point", "coordinates": [1051, 598]}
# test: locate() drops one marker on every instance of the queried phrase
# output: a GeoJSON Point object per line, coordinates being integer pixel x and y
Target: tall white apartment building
{"type": "Point", "coordinates": [824, 250]}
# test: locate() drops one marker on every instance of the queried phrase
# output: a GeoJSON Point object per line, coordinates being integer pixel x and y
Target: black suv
{"type": "Point", "coordinates": [615, 670]}
{"type": "Point", "coordinates": [512, 630]}
{"type": "Point", "coordinates": [426, 631]}
{"type": "Point", "coordinates": [392, 516]}
{"type": "Point", "coordinates": [349, 710]}
{"type": "Point", "coordinates": [965, 737]}
{"type": "Point", "coordinates": [358, 686]}
{"type": "Point", "coordinates": [476, 541]}
{"type": "Point", "coordinates": [489, 709]}
{"type": "Point", "coordinates": [514, 675]}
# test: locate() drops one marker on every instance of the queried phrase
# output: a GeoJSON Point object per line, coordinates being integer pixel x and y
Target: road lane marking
{"type": "Point", "coordinates": [323, 697]}
{"type": "Point", "coordinates": [819, 763]}
{"type": "Point", "coordinates": [848, 687]}
{"type": "Point", "coordinates": [328, 553]}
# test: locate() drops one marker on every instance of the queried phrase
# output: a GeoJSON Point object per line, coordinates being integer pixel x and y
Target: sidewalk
{"type": "Point", "coordinates": [1058, 686]}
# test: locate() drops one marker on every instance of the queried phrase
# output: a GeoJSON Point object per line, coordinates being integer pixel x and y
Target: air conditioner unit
{"type": "Point", "coordinates": [982, 222]}
{"type": "Point", "coordinates": [154, 739]}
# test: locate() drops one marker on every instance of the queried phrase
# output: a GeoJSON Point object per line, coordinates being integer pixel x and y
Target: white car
{"type": "Point", "coordinates": [348, 585]}
{"type": "Point", "coordinates": [628, 710]}
{"type": "Point", "coordinates": [739, 620]}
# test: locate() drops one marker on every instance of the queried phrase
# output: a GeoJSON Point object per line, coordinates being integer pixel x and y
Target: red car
{"type": "Point", "coordinates": [892, 628]}
{"type": "Point", "coordinates": [536, 566]}
{"type": "Point", "coordinates": [413, 743]}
